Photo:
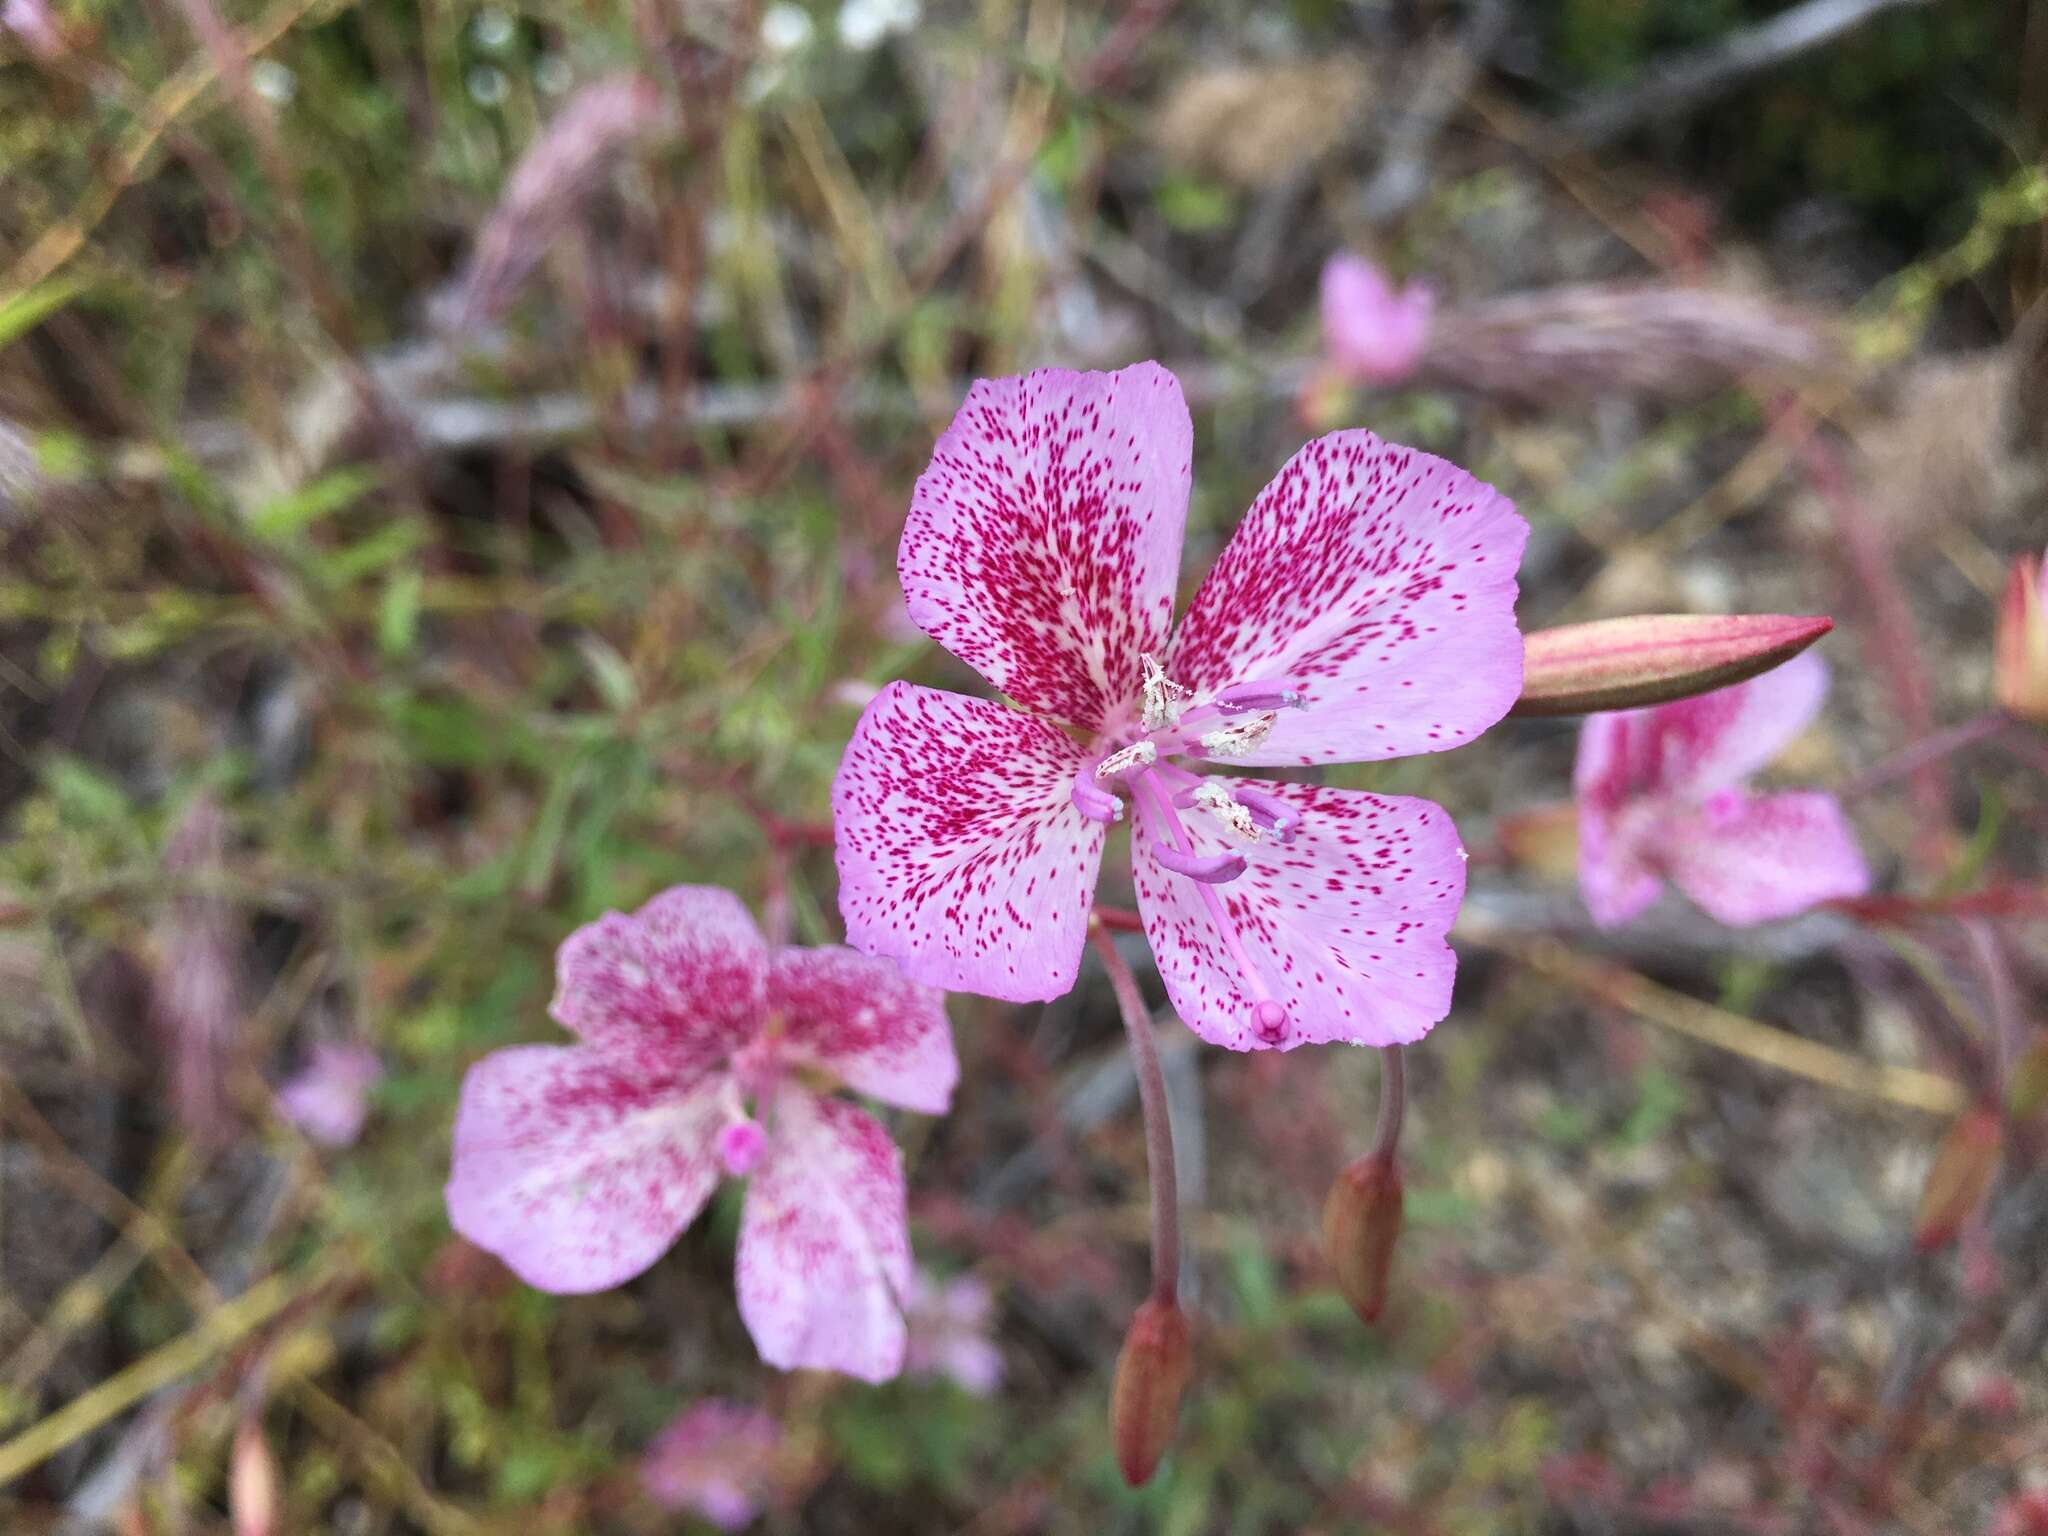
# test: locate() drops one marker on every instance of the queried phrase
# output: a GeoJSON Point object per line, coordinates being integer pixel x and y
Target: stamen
{"type": "Point", "coordinates": [1093, 801]}
{"type": "Point", "coordinates": [1139, 754]}
{"type": "Point", "coordinates": [1274, 695]}
{"type": "Point", "coordinates": [1239, 736]}
{"type": "Point", "coordinates": [1215, 799]}
{"type": "Point", "coordinates": [1270, 811]}
{"type": "Point", "coordinates": [1161, 700]}
{"type": "Point", "coordinates": [1209, 868]}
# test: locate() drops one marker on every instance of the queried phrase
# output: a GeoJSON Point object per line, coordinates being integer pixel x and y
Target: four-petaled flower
{"type": "Point", "coordinates": [1364, 610]}
{"type": "Point", "coordinates": [716, 1459]}
{"type": "Point", "coordinates": [579, 1165]}
{"type": "Point", "coordinates": [1660, 796]}
{"type": "Point", "coordinates": [1374, 332]}
{"type": "Point", "coordinates": [950, 1322]}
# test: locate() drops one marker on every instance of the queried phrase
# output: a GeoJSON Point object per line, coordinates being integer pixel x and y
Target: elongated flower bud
{"type": "Point", "coordinates": [1654, 658]}
{"type": "Point", "coordinates": [2019, 666]}
{"type": "Point", "coordinates": [1151, 1374]}
{"type": "Point", "coordinates": [1960, 1178]}
{"type": "Point", "coordinates": [1361, 1224]}
{"type": "Point", "coordinates": [252, 1482]}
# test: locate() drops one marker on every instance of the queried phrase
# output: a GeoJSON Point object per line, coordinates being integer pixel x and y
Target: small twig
{"type": "Point", "coordinates": [1930, 749]}
{"type": "Point", "coordinates": [1158, 1119]}
{"type": "Point", "coordinates": [1393, 1102]}
{"type": "Point", "coordinates": [1682, 83]}
{"type": "Point", "coordinates": [1441, 83]}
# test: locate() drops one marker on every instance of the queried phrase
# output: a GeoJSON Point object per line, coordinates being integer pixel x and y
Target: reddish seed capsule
{"type": "Point", "coordinates": [1151, 1374]}
{"type": "Point", "coordinates": [1361, 1224]}
{"type": "Point", "coordinates": [2019, 662]}
{"type": "Point", "coordinates": [1960, 1178]}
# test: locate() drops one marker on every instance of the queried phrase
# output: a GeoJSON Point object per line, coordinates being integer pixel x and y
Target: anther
{"type": "Point", "coordinates": [1239, 736]}
{"type": "Point", "coordinates": [1270, 812]}
{"type": "Point", "coordinates": [1162, 697]}
{"type": "Point", "coordinates": [1216, 800]}
{"type": "Point", "coordinates": [1209, 868]}
{"type": "Point", "coordinates": [1139, 754]}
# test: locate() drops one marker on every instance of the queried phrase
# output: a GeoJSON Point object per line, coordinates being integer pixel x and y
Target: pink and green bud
{"type": "Point", "coordinates": [2019, 665]}
{"type": "Point", "coordinates": [1361, 1224]}
{"type": "Point", "coordinates": [1960, 1178]}
{"type": "Point", "coordinates": [1610, 664]}
{"type": "Point", "coordinates": [1151, 1374]}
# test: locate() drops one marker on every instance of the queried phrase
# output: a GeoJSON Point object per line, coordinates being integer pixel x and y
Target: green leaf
{"type": "Point", "coordinates": [28, 309]}
{"type": "Point", "coordinates": [293, 513]}
{"type": "Point", "coordinates": [1194, 207]}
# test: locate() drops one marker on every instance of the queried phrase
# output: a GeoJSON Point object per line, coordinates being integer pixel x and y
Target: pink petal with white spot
{"type": "Point", "coordinates": [1616, 878]}
{"type": "Point", "coordinates": [1709, 742]}
{"type": "Point", "coordinates": [677, 986]}
{"type": "Point", "coordinates": [1381, 582]}
{"type": "Point", "coordinates": [1373, 332]}
{"type": "Point", "coordinates": [1345, 925]}
{"type": "Point", "coordinates": [578, 1171]}
{"type": "Point", "coordinates": [862, 1019]}
{"type": "Point", "coordinates": [1745, 860]}
{"type": "Point", "coordinates": [824, 1258]}
{"type": "Point", "coordinates": [960, 853]}
{"type": "Point", "coordinates": [1043, 543]}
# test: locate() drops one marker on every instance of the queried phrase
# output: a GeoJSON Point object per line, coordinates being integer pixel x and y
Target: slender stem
{"type": "Point", "coordinates": [1393, 1101]}
{"type": "Point", "coordinates": [1929, 749]}
{"type": "Point", "coordinates": [2007, 1032]}
{"type": "Point", "coordinates": [1158, 1121]}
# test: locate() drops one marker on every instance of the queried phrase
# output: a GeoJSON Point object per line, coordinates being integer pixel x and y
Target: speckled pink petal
{"type": "Point", "coordinates": [1753, 860]}
{"type": "Point", "coordinates": [961, 855]}
{"type": "Point", "coordinates": [677, 986]}
{"type": "Point", "coordinates": [1043, 543]}
{"type": "Point", "coordinates": [1346, 924]}
{"type": "Point", "coordinates": [824, 1259]}
{"type": "Point", "coordinates": [1707, 743]}
{"type": "Point", "coordinates": [1372, 331]}
{"type": "Point", "coordinates": [862, 1019]}
{"type": "Point", "coordinates": [1381, 582]}
{"type": "Point", "coordinates": [576, 1171]}
{"type": "Point", "coordinates": [716, 1459]}
{"type": "Point", "coordinates": [1615, 877]}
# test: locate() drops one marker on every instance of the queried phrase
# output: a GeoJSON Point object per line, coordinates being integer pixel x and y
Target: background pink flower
{"type": "Point", "coordinates": [1374, 332]}
{"type": "Point", "coordinates": [1661, 796]}
{"type": "Point", "coordinates": [579, 1165]}
{"type": "Point", "coordinates": [1363, 610]}
{"type": "Point", "coordinates": [951, 1323]}
{"type": "Point", "coordinates": [330, 1097]}
{"type": "Point", "coordinates": [717, 1459]}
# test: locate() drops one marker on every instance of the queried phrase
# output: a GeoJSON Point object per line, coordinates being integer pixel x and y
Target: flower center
{"type": "Point", "coordinates": [1171, 722]}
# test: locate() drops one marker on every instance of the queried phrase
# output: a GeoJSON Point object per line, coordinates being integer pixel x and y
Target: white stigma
{"type": "Point", "coordinates": [1239, 736]}
{"type": "Point", "coordinates": [1139, 754]}
{"type": "Point", "coordinates": [1217, 801]}
{"type": "Point", "coordinates": [1162, 698]}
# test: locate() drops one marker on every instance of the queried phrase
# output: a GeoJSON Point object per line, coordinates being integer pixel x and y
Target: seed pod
{"type": "Point", "coordinates": [1361, 1224]}
{"type": "Point", "coordinates": [1151, 1374]}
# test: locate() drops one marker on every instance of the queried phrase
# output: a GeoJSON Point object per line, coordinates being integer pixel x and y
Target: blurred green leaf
{"type": "Point", "coordinates": [292, 514]}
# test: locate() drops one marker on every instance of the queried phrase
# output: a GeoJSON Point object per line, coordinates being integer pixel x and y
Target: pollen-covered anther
{"type": "Point", "coordinates": [1218, 802]}
{"type": "Point", "coordinates": [1239, 736]}
{"type": "Point", "coordinates": [1139, 754]}
{"type": "Point", "coordinates": [1162, 698]}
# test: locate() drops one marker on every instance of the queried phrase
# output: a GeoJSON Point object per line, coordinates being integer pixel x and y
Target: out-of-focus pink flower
{"type": "Point", "coordinates": [579, 1165]}
{"type": "Point", "coordinates": [2019, 672]}
{"type": "Point", "coordinates": [196, 994]}
{"type": "Point", "coordinates": [1374, 332]}
{"type": "Point", "coordinates": [716, 1460]}
{"type": "Point", "coordinates": [1363, 610]}
{"type": "Point", "coordinates": [2024, 1514]}
{"type": "Point", "coordinates": [596, 126]}
{"type": "Point", "coordinates": [36, 28]}
{"type": "Point", "coordinates": [330, 1097]}
{"type": "Point", "coordinates": [949, 1326]}
{"type": "Point", "coordinates": [1661, 796]}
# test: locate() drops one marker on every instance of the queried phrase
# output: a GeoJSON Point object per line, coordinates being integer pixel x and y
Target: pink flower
{"type": "Point", "coordinates": [1364, 610]}
{"type": "Point", "coordinates": [1373, 332]}
{"type": "Point", "coordinates": [579, 1165]}
{"type": "Point", "coordinates": [949, 1333]}
{"type": "Point", "coordinates": [1660, 797]}
{"type": "Point", "coordinates": [716, 1460]}
{"type": "Point", "coordinates": [330, 1097]}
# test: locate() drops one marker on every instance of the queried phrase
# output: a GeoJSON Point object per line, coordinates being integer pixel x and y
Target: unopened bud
{"type": "Point", "coordinates": [252, 1482]}
{"type": "Point", "coordinates": [1151, 1374]}
{"type": "Point", "coordinates": [1361, 1224]}
{"type": "Point", "coordinates": [1960, 1178]}
{"type": "Point", "coordinates": [1628, 663]}
{"type": "Point", "coordinates": [2019, 663]}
